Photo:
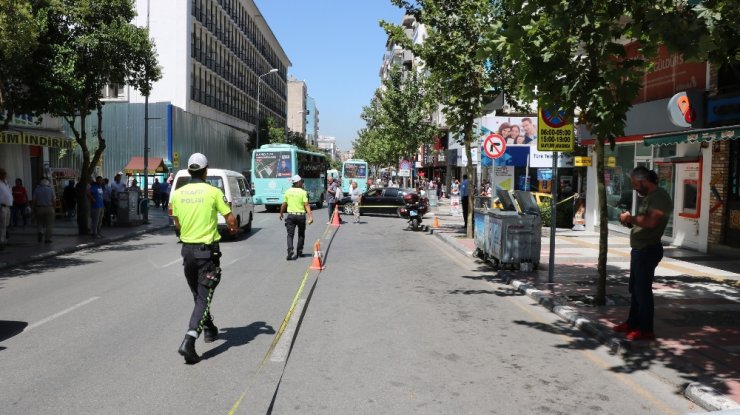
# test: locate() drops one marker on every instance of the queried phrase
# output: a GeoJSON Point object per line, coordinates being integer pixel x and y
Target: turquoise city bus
{"type": "Point", "coordinates": [274, 164]}
{"type": "Point", "coordinates": [356, 171]}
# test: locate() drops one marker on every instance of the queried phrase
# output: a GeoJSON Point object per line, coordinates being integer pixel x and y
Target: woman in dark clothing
{"type": "Point", "coordinates": [68, 198]}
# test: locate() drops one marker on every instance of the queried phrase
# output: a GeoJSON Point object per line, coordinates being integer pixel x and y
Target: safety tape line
{"type": "Point", "coordinates": [284, 323]}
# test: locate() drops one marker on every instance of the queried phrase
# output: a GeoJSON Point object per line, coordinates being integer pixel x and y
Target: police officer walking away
{"type": "Point", "coordinates": [295, 201]}
{"type": "Point", "coordinates": [195, 207]}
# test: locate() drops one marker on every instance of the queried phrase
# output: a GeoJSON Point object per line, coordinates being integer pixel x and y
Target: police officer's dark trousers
{"type": "Point", "coordinates": [292, 222]}
{"type": "Point", "coordinates": [197, 260]}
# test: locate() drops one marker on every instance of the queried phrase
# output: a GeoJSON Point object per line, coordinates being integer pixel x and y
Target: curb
{"type": "Point", "coordinates": [706, 397]}
{"type": "Point", "coordinates": [80, 247]}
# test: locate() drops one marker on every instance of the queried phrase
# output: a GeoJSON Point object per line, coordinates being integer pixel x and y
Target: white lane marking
{"type": "Point", "coordinates": [283, 347]}
{"type": "Point", "coordinates": [59, 314]}
{"type": "Point", "coordinates": [171, 263]}
{"type": "Point", "coordinates": [230, 263]}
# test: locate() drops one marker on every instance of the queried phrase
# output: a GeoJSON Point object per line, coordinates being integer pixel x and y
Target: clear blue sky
{"type": "Point", "coordinates": [337, 47]}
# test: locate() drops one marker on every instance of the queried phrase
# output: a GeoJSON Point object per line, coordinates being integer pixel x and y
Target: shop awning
{"type": "Point", "coordinates": [693, 136]}
{"type": "Point", "coordinates": [36, 137]}
{"type": "Point", "coordinates": [154, 165]}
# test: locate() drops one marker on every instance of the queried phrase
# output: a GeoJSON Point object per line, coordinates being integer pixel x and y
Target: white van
{"type": "Point", "coordinates": [236, 189]}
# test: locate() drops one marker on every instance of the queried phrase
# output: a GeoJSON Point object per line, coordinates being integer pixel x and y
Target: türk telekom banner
{"type": "Point", "coordinates": [544, 159]}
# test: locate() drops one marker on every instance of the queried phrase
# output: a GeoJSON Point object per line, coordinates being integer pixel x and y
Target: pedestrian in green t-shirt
{"type": "Point", "coordinates": [648, 225]}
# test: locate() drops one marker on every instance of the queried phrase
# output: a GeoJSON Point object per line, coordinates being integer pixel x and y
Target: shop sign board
{"type": "Point", "coordinates": [581, 161]}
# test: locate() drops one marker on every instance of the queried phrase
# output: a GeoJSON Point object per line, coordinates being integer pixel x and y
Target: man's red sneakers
{"type": "Point", "coordinates": [622, 328]}
{"type": "Point", "coordinates": [637, 335]}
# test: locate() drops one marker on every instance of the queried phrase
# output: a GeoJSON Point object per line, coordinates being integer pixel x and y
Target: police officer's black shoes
{"type": "Point", "coordinates": [299, 254]}
{"type": "Point", "coordinates": [210, 333]}
{"type": "Point", "coordinates": [290, 255]}
{"type": "Point", "coordinates": [187, 350]}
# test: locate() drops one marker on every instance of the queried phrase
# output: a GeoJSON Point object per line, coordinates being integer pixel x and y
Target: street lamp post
{"type": "Point", "coordinates": [259, 83]}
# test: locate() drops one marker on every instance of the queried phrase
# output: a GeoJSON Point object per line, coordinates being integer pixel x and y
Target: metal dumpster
{"type": "Point", "coordinates": [514, 235]}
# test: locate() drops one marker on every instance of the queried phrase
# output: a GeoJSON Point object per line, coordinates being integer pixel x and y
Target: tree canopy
{"type": "Point", "coordinates": [398, 119]}
{"type": "Point", "coordinates": [20, 27]}
{"type": "Point", "coordinates": [462, 79]}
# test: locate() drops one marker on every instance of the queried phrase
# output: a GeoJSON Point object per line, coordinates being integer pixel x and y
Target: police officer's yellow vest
{"type": "Point", "coordinates": [196, 206]}
{"type": "Point", "coordinates": [296, 197]}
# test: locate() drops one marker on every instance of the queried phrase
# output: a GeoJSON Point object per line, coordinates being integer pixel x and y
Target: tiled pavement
{"type": "Point", "coordinates": [697, 316]}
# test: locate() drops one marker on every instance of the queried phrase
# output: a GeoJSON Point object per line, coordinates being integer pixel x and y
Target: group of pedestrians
{"type": "Point", "coordinates": [16, 208]}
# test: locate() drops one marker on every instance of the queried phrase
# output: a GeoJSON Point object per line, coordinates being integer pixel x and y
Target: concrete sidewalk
{"type": "Point", "coordinates": [697, 306]}
{"type": "Point", "coordinates": [24, 248]}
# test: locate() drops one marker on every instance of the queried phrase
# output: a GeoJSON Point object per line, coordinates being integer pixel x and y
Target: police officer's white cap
{"type": "Point", "coordinates": [197, 162]}
{"type": "Point", "coordinates": [295, 179]}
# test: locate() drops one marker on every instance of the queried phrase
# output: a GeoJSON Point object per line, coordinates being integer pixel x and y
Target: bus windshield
{"type": "Point", "coordinates": [273, 164]}
{"type": "Point", "coordinates": [355, 170]}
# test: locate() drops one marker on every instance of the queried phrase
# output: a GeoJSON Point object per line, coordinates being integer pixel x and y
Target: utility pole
{"type": "Point", "coordinates": [145, 213]}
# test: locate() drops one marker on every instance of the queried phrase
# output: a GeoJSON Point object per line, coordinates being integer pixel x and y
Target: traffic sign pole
{"type": "Point", "coordinates": [553, 217]}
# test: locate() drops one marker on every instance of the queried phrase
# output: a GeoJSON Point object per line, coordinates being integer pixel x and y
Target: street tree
{"type": "Point", "coordinates": [20, 26]}
{"type": "Point", "coordinates": [461, 78]}
{"type": "Point", "coordinates": [88, 45]}
{"type": "Point", "coordinates": [574, 53]}
{"type": "Point", "coordinates": [398, 119]}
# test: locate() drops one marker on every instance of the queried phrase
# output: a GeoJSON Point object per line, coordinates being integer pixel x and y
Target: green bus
{"type": "Point", "coordinates": [356, 171]}
{"type": "Point", "coordinates": [273, 165]}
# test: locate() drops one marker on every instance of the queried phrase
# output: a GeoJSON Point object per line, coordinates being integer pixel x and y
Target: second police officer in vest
{"type": "Point", "coordinates": [296, 204]}
{"type": "Point", "coordinates": [195, 207]}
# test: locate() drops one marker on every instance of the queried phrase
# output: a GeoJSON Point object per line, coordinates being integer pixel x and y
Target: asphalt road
{"type": "Point", "coordinates": [398, 323]}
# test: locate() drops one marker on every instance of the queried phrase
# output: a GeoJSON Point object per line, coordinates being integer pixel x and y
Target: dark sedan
{"type": "Point", "coordinates": [387, 200]}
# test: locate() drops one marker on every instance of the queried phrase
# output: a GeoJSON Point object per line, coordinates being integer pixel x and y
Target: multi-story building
{"type": "Point", "coordinates": [329, 145]}
{"type": "Point", "coordinates": [213, 55]}
{"type": "Point", "coordinates": [312, 122]}
{"type": "Point", "coordinates": [223, 71]}
{"type": "Point", "coordinates": [297, 104]}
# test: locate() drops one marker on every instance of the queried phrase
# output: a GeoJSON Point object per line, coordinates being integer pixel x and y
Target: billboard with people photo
{"type": "Point", "coordinates": [520, 134]}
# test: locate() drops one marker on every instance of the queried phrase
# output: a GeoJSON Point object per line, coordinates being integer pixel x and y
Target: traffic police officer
{"type": "Point", "coordinates": [195, 207]}
{"type": "Point", "coordinates": [296, 203]}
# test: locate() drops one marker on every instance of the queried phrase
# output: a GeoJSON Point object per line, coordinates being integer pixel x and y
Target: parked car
{"type": "Point", "coordinates": [388, 200]}
{"type": "Point", "coordinates": [236, 190]}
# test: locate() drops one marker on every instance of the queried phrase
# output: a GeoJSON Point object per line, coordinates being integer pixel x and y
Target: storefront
{"type": "Point", "coordinates": [704, 177]}
{"type": "Point", "coordinates": [24, 149]}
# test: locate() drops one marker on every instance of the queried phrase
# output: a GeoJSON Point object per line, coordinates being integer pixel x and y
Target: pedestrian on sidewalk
{"type": "Point", "coordinates": [648, 225]}
{"type": "Point", "coordinates": [97, 206]}
{"type": "Point", "coordinates": [165, 191]}
{"type": "Point", "coordinates": [195, 208]}
{"type": "Point", "coordinates": [68, 200]}
{"type": "Point", "coordinates": [464, 193]}
{"type": "Point", "coordinates": [331, 196]}
{"type": "Point", "coordinates": [296, 205]}
{"type": "Point", "coordinates": [43, 208]}
{"type": "Point", "coordinates": [6, 201]}
{"type": "Point", "coordinates": [356, 195]}
{"type": "Point", "coordinates": [156, 192]}
{"type": "Point", "coordinates": [20, 203]}
{"type": "Point", "coordinates": [107, 201]}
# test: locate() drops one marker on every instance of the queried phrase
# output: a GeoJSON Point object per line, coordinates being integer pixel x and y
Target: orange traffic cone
{"type": "Point", "coordinates": [435, 224]}
{"type": "Point", "coordinates": [335, 217]}
{"type": "Point", "coordinates": [316, 264]}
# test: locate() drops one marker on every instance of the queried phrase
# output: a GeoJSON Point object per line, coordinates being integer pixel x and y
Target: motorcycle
{"type": "Point", "coordinates": [413, 211]}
